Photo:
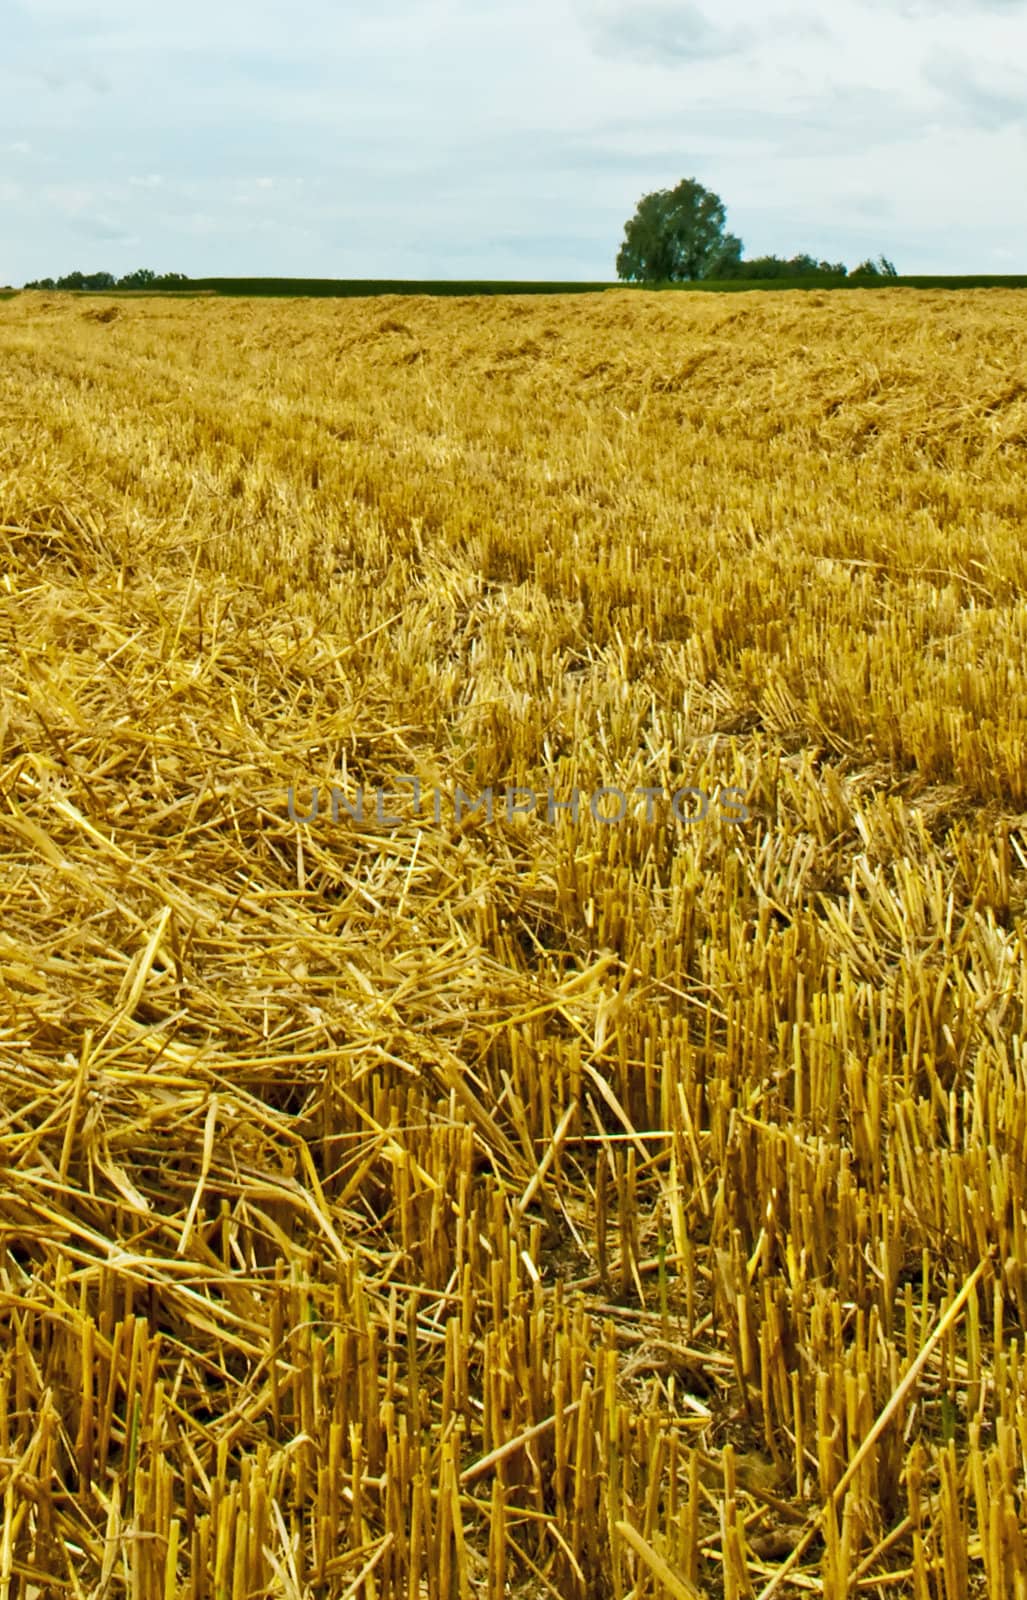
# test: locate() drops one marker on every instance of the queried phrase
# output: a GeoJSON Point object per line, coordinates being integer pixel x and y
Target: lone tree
{"type": "Point", "coordinates": [677, 234]}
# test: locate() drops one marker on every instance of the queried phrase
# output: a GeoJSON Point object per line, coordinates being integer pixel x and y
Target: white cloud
{"type": "Point", "coordinates": [986, 94]}
{"type": "Point", "coordinates": [442, 137]}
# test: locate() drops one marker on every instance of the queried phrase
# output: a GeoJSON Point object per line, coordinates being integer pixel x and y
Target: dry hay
{"type": "Point", "coordinates": [471, 1208]}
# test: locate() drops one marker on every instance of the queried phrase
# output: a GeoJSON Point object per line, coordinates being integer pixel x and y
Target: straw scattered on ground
{"type": "Point", "coordinates": [457, 1206]}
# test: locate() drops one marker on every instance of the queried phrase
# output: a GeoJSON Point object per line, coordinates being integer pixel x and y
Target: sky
{"type": "Point", "coordinates": [503, 139]}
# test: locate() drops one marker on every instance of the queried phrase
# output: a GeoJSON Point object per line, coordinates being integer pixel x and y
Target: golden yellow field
{"type": "Point", "coordinates": [420, 1207]}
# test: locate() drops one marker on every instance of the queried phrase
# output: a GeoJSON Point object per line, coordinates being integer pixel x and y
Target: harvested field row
{"type": "Point", "coordinates": [529, 1204]}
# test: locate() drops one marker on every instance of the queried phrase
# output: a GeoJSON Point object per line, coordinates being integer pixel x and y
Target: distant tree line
{"type": "Point", "coordinates": [142, 278]}
{"type": "Point", "coordinates": [805, 266]}
{"type": "Point", "coordinates": [678, 235]}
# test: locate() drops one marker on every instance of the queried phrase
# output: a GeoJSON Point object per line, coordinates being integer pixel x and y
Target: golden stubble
{"type": "Point", "coordinates": [481, 1207]}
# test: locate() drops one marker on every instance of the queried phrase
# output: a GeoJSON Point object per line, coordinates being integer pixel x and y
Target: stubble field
{"type": "Point", "coordinates": [405, 1204]}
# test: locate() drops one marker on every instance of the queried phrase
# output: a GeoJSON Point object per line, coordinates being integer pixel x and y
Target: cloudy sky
{"type": "Point", "coordinates": [503, 138]}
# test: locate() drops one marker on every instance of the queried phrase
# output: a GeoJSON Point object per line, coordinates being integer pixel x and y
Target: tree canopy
{"type": "Point", "coordinates": [142, 278]}
{"type": "Point", "coordinates": [680, 234]}
{"type": "Point", "coordinates": [881, 268]}
{"type": "Point", "coordinates": [676, 235]}
{"type": "Point", "coordinates": [798, 266]}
